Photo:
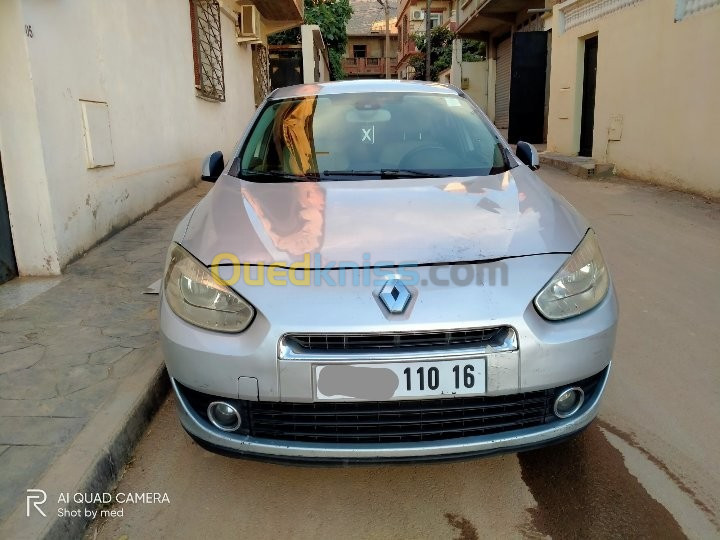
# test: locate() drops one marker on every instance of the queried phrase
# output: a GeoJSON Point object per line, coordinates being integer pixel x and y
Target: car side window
{"type": "Point", "coordinates": [259, 141]}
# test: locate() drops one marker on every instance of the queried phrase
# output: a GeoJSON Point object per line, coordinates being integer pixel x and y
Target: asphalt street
{"type": "Point", "coordinates": [647, 467]}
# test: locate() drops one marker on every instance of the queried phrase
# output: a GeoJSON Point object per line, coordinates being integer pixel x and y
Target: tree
{"type": "Point", "coordinates": [332, 17]}
{"type": "Point", "coordinates": [441, 38]}
{"type": "Point", "coordinates": [473, 50]}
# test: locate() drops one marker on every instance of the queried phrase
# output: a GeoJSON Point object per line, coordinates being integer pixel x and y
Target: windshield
{"type": "Point", "coordinates": [363, 136]}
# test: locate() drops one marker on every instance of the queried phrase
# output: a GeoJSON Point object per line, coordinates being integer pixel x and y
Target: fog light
{"type": "Point", "coordinates": [569, 401]}
{"type": "Point", "coordinates": [223, 416]}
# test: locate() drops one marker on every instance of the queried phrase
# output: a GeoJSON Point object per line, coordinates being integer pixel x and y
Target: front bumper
{"type": "Point", "coordinates": [291, 451]}
{"type": "Point", "coordinates": [250, 365]}
{"type": "Point", "coordinates": [253, 366]}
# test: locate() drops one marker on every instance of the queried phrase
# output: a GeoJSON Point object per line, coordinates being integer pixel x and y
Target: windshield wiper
{"type": "Point", "coordinates": [388, 173]}
{"type": "Point", "coordinates": [505, 156]}
{"type": "Point", "coordinates": [281, 176]}
{"type": "Point", "coordinates": [410, 173]}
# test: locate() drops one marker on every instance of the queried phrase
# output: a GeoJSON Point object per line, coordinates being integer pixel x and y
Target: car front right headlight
{"type": "Point", "coordinates": [580, 284]}
{"type": "Point", "coordinates": [194, 295]}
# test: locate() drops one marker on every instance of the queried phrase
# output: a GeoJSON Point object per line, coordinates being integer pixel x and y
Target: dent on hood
{"type": "Point", "coordinates": [383, 222]}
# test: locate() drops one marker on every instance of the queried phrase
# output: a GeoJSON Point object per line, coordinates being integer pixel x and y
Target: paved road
{"type": "Point", "coordinates": [67, 344]}
{"type": "Point", "coordinates": [647, 468]}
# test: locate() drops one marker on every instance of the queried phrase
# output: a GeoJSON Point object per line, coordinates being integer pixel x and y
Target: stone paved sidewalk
{"type": "Point", "coordinates": [64, 353]}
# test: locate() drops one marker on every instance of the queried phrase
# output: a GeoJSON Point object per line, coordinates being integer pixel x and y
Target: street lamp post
{"type": "Point", "coordinates": [385, 5]}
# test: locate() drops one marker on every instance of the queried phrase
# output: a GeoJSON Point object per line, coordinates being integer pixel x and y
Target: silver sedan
{"type": "Point", "coordinates": [377, 276]}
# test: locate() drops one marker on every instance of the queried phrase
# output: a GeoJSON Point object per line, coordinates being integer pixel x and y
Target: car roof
{"type": "Point", "coordinates": [362, 86]}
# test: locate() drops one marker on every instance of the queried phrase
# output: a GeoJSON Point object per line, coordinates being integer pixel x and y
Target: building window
{"type": "Point", "coordinates": [207, 49]}
{"type": "Point", "coordinates": [359, 51]}
{"type": "Point", "coordinates": [436, 19]}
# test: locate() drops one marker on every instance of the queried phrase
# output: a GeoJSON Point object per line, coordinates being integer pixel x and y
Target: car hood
{"type": "Point", "coordinates": [382, 222]}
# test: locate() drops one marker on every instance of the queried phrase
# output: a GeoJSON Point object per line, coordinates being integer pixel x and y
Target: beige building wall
{"type": "Point", "coordinates": [21, 152]}
{"type": "Point", "coordinates": [137, 57]}
{"type": "Point", "coordinates": [472, 77]}
{"type": "Point", "coordinates": [313, 48]}
{"type": "Point", "coordinates": [477, 75]}
{"type": "Point", "coordinates": [657, 104]}
{"type": "Point", "coordinates": [375, 46]}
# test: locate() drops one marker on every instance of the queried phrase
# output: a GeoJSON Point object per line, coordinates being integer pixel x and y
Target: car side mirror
{"type": "Point", "coordinates": [527, 153]}
{"type": "Point", "coordinates": [213, 166]}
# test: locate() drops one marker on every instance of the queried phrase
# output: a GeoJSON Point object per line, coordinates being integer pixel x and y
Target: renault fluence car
{"type": "Point", "coordinates": [377, 276]}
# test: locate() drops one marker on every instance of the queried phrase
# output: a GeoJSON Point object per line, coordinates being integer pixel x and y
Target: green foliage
{"type": "Point", "coordinates": [332, 17]}
{"type": "Point", "coordinates": [441, 38]}
{"type": "Point", "coordinates": [286, 37]}
{"type": "Point", "coordinates": [473, 50]}
{"type": "Point", "coordinates": [337, 73]}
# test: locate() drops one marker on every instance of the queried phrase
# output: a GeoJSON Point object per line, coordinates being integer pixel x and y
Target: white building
{"type": "Point", "coordinates": [107, 109]}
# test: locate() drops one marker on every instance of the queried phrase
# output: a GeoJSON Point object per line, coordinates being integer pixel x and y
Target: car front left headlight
{"type": "Point", "coordinates": [194, 295]}
{"type": "Point", "coordinates": [580, 284]}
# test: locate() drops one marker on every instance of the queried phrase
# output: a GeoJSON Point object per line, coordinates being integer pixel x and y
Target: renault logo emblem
{"type": "Point", "coordinates": [395, 295]}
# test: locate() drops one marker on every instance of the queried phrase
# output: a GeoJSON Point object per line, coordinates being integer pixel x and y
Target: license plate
{"type": "Point", "coordinates": [382, 382]}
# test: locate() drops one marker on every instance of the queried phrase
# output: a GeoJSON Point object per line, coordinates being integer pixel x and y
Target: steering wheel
{"type": "Point", "coordinates": [428, 155]}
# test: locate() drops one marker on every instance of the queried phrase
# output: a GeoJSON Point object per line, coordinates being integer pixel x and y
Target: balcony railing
{"type": "Point", "coordinates": [368, 66]}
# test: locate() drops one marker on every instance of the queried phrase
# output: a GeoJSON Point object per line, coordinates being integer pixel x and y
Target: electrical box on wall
{"type": "Point", "coordinates": [564, 98]}
{"type": "Point", "coordinates": [615, 128]}
{"type": "Point", "coordinates": [465, 83]}
{"type": "Point", "coordinates": [96, 131]}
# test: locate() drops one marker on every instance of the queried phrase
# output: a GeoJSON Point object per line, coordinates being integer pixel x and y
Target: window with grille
{"type": "Point", "coordinates": [359, 51]}
{"type": "Point", "coordinates": [207, 49]}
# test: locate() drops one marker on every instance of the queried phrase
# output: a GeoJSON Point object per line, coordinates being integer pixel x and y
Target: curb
{"type": "Point", "coordinates": [585, 168]}
{"type": "Point", "coordinates": [96, 457]}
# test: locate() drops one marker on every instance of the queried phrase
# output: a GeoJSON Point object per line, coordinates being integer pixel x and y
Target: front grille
{"type": "Point", "coordinates": [405, 421]}
{"type": "Point", "coordinates": [392, 340]}
{"type": "Point", "coordinates": [395, 421]}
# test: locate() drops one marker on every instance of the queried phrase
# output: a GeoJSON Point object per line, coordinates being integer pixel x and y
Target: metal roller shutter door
{"type": "Point", "coordinates": [502, 84]}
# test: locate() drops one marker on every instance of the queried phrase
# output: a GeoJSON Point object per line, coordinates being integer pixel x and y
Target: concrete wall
{"type": "Point", "coordinates": [137, 57]}
{"type": "Point", "coordinates": [311, 48]}
{"type": "Point", "coordinates": [477, 75]}
{"type": "Point", "coordinates": [21, 151]}
{"type": "Point", "coordinates": [658, 92]}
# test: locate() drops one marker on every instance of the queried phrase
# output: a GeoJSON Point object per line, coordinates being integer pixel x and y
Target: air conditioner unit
{"type": "Point", "coordinates": [248, 23]}
{"type": "Point", "coordinates": [418, 15]}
